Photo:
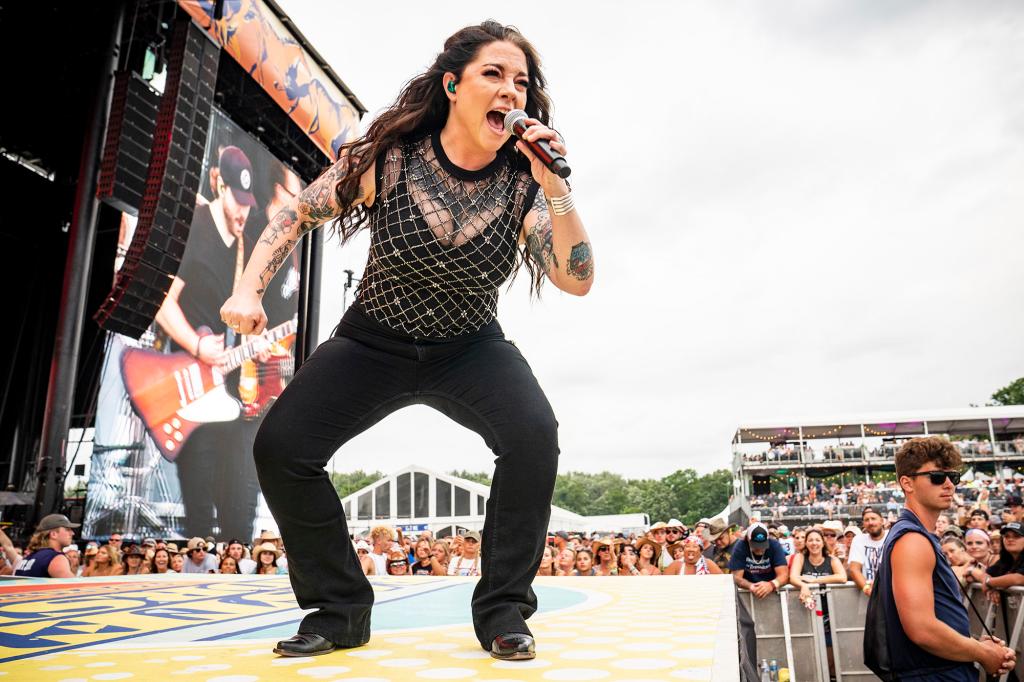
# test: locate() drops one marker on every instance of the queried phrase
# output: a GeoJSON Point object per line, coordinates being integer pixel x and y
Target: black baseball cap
{"type": "Point", "coordinates": [1012, 527]}
{"type": "Point", "coordinates": [1014, 501]}
{"type": "Point", "coordinates": [236, 172]}
{"type": "Point", "coordinates": [757, 537]}
{"type": "Point", "coordinates": [980, 512]}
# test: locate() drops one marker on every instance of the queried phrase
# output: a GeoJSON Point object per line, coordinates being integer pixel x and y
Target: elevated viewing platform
{"type": "Point", "coordinates": [797, 453]}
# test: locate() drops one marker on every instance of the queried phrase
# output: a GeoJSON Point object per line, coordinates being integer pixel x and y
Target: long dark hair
{"type": "Point", "coordinates": [422, 106]}
{"type": "Point", "coordinates": [824, 548]}
{"type": "Point", "coordinates": [1006, 563]}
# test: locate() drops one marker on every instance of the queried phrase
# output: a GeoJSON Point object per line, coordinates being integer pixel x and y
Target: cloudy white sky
{"type": "Point", "coordinates": [801, 208]}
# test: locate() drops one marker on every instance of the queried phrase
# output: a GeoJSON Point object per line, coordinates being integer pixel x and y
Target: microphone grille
{"type": "Point", "coordinates": [513, 116]}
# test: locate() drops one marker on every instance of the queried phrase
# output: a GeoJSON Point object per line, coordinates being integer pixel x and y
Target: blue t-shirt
{"type": "Point", "coordinates": [37, 564]}
{"type": "Point", "coordinates": [757, 569]}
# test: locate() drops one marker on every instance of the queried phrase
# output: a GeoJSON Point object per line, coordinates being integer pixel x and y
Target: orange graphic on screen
{"type": "Point", "coordinates": [268, 52]}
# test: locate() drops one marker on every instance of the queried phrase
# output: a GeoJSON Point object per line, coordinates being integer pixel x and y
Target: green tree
{"type": "Point", "coordinates": [475, 476]}
{"type": "Point", "coordinates": [346, 484]}
{"type": "Point", "coordinates": [1010, 395]}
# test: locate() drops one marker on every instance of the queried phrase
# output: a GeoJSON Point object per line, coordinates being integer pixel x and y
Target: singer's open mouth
{"type": "Point", "coordinates": [496, 120]}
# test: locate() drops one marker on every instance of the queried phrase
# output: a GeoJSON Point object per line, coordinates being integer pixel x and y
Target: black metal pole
{"type": "Point", "coordinates": [60, 392]}
{"type": "Point", "coordinates": [310, 267]}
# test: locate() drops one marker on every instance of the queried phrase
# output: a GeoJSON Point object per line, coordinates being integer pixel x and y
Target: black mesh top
{"type": "Point", "coordinates": [442, 240]}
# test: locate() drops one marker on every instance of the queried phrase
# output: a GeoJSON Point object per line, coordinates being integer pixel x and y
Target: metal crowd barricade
{"type": "Point", "coordinates": [795, 636]}
{"type": "Point", "coordinates": [789, 633]}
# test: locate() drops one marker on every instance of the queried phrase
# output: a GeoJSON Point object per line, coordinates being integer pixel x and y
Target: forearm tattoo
{"type": "Point", "coordinates": [581, 264]}
{"type": "Point", "coordinates": [274, 264]}
{"type": "Point", "coordinates": [538, 238]}
{"type": "Point", "coordinates": [283, 223]}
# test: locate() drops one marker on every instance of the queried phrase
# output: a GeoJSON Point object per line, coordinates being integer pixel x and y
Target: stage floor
{"type": "Point", "coordinates": [222, 629]}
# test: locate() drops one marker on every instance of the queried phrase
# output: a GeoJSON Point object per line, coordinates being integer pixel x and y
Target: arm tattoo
{"type": "Point", "coordinates": [281, 224]}
{"type": "Point", "coordinates": [581, 264]}
{"type": "Point", "coordinates": [316, 202]}
{"type": "Point", "coordinates": [274, 264]}
{"type": "Point", "coordinates": [538, 237]}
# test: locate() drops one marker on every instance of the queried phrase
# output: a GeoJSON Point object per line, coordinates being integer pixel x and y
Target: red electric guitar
{"type": "Point", "coordinates": [173, 393]}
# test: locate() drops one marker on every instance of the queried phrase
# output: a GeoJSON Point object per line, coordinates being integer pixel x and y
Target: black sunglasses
{"type": "Point", "coordinates": [939, 477]}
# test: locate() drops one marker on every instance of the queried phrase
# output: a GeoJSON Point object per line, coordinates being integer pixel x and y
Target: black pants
{"type": "Point", "coordinates": [351, 382]}
{"type": "Point", "coordinates": [216, 474]}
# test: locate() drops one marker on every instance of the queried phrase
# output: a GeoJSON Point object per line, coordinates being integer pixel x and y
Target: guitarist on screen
{"type": "Point", "coordinates": [215, 465]}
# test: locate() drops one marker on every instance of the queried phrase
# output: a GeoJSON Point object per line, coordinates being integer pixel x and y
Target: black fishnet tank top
{"type": "Point", "coordinates": [442, 240]}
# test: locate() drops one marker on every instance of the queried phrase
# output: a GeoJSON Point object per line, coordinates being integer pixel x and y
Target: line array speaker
{"type": "Point", "coordinates": [172, 180]}
{"type": "Point", "coordinates": [125, 165]}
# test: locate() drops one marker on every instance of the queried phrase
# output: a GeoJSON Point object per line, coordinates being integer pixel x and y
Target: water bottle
{"type": "Point", "coordinates": [765, 674]}
{"type": "Point", "coordinates": [773, 671]}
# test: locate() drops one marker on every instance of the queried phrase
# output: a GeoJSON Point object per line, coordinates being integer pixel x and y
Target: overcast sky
{"type": "Point", "coordinates": [800, 208]}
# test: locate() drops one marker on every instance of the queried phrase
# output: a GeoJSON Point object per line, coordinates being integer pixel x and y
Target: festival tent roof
{"type": "Point", "coordinates": [997, 420]}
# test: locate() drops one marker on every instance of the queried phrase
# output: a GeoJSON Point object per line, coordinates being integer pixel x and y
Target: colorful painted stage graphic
{"type": "Point", "coordinates": [222, 629]}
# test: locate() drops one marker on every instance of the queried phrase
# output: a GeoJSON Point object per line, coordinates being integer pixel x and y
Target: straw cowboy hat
{"type": "Point", "coordinates": [265, 547]}
{"type": "Point", "coordinates": [675, 546]}
{"type": "Point", "coordinates": [833, 525]}
{"type": "Point", "coordinates": [647, 541]}
{"type": "Point", "coordinates": [602, 542]}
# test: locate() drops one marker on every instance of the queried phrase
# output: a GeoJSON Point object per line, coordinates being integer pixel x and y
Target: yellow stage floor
{"type": "Point", "coordinates": [222, 629]}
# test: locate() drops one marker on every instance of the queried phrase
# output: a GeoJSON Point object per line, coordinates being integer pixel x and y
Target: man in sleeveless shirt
{"type": "Point", "coordinates": [47, 559]}
{"type": "Point", "coordinates": [926, 621]}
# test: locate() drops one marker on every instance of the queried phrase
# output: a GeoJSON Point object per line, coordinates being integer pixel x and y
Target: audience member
{"type": "Point", "coordinates": [366, 562]}
{"type": "Point", "coordinates": [44, 556]}
{"type": "Point", "coordinates": [604, 552]}
{"type": "Point", "coordinates": [758, 563]}
{"type": "Point", "coordinates": [813, 567]}
{"type": "Point", "coordinates": [648, 551]}
{"type": "Point", "coordinates": [722, 544]}
{"type": "Point", "coordinates": [692, 561]}
{"type": "Point", "coordinates": [107, 561]}
{"type": "Point", "coordinates": [584, 563]}
{"type": "Point", "coordinates": [239, 553]}
{"type": "Point", "coordinates": [424, 560]}
{"type": "Point", "coordinates": [228, 564]}
{"type": "Point", "coordinates": [74, 559]}
{"type": "Point", "coordinates": [161, 561]}
{"type": "Point", "coordinates": [468, 563]}
{"type": "Point", "coordinates": [381, 538]}
{"type": "Point", "coordinates": [266, 559]}
{"type": "Point", "coordinates": [398, 561]}
{"type": "Point", "coordinates": [198, 559]}
{"type": "Point", "coordinates": [866, 550]}
{"type": "Point", "coordinates": [135, 561]}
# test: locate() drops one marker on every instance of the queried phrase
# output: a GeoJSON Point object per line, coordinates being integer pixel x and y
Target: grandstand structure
{"type": "Point", "coordinates": [801, 452]}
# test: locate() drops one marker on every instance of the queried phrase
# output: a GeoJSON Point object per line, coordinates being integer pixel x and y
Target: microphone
{"type": "Point", "coordinates": [515, 123]}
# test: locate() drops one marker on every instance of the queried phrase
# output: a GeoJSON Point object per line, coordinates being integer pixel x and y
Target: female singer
{"type": "Point", "coordinates": [454, 205]}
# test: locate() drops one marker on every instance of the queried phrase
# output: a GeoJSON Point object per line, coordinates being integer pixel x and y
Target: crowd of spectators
{"type": "Point", "coordinates": [847, 450]}
{"type": "Point", "coordinates": [667, 548]}
{"type": "Point", "coordinates": [832, 501]}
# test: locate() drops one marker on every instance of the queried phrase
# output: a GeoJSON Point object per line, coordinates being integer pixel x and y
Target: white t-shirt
{"type": "Point", "coordinates": [209, 565]}
{"type": "Point", "coordinates": [380, 563]}
{"type": "Point", "coordinates": [867, 553]}
{"type": "Point", "coordinates": [246, 566]}
{"type": "Point", "coordinates": [462, 566]}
